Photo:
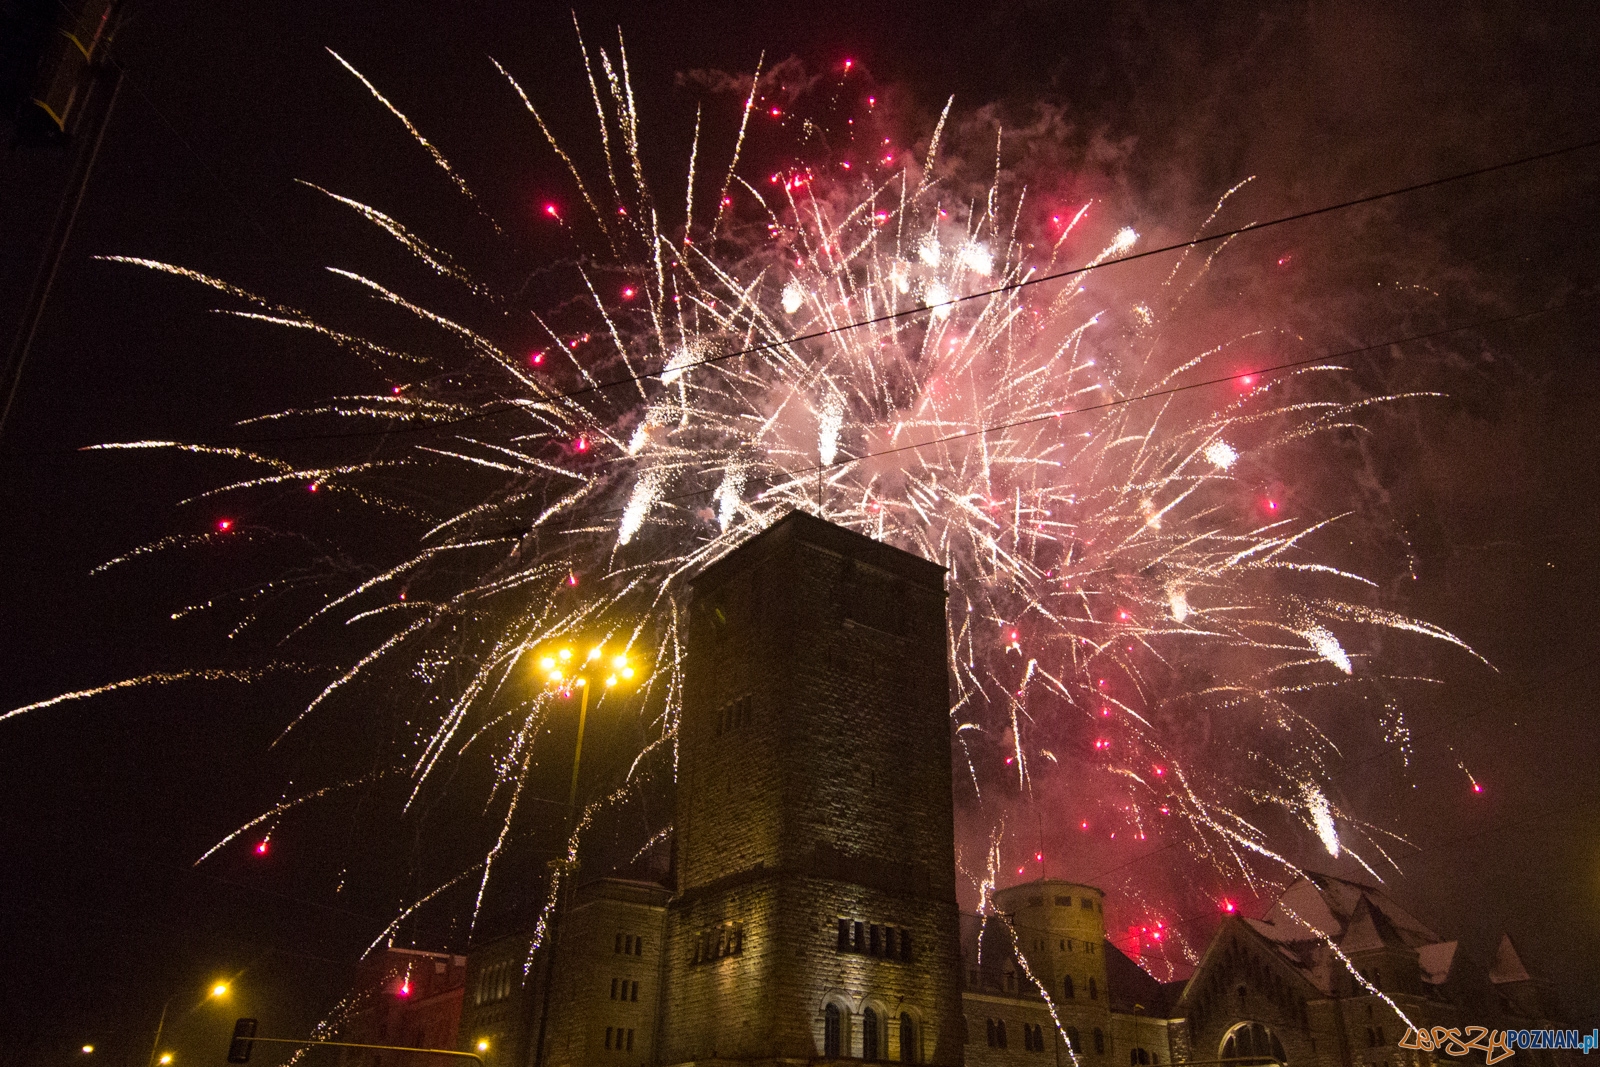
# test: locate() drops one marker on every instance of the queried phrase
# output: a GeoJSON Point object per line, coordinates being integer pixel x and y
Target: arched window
{"type": "Point", "coordinates": [832, 1026]}
{"type": "Point", "coordinates": [869, 1036]}
{"type": "Point", "coordinates": [1072, 1039]}
{"type": "Point", "coordinates": [991, 1036]}
{"type": "Point", "coordinates": [1000, 1033]}
{"type": "Point", "coordinates": [1099, 1041]}
{"type": "Point", "coordinates": [1066, 988]}
{"type": "Point", "coordinates": [908, 1039]}
{"type": "Point", "coordinates": [1094, 991]}
{"type": "Point", "coordinates": [1252, 1043]}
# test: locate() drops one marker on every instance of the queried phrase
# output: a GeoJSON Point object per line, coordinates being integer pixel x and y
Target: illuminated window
{"type": "Point", "coordinates": [832, 1025]}
{"type": "Point", "coordinates": [869, 1036]}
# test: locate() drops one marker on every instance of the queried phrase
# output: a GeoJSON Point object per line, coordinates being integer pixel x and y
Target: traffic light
{"type": "Point", "coordinates": [239, 1048]}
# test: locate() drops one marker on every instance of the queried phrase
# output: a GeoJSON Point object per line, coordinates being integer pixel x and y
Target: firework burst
{"type": "Point", "coordinates": [860, 338]}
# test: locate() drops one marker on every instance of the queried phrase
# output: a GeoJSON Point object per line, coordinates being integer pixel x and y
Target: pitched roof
{"type": "Point", "coordinates": [1370, 929]}
{"type": "Point", "coordinates": [1507, 966]}
{"type": "Point", "coordinates": [1327, 905]}
{"type": "Point", "coordinates": [1436, 961]}
{"type": "Point", "coordinates": [1133, 990]}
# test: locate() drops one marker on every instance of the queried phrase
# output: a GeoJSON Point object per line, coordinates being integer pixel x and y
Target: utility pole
{"type": "Point", "coordinates": [74, 94]}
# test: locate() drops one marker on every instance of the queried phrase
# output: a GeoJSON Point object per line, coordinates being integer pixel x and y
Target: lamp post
{"type": "Point", "coordinates": [220, 989]}
{"type": "Point", "coordinates": [565, 672]}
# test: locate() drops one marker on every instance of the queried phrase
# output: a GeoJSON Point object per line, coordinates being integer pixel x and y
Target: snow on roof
{"type": "Point", "coordinates": [1436, 961]}
{"type": "Point", "coordinates": [1507, 966]}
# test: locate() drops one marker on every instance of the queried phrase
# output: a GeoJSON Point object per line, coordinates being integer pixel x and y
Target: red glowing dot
{"type": "Point", "coordinates": [535, 359]}
{"type": "Point", "coordinates": [404, 990]}
{"type": "Point", "coordinates": [775, 112]}
{"type": "Point", "coordinates": [572, 579]}
{"type": "Point", "coordinates": [261, 847]}
{"type": "Point", "coordinates": [1013, 635]}
{"type": "Point", "coordinates": [1083, 825]}
{"type": "Point", "coordinates": [1160, 771]}
{"type": "Point", "coordinates": [1477, 788]}
{"type": "Point", "coordinates": [312, 487]}
{"type": "Point", "coordinates": [1248, 379]}
{"type": "Point", "coordinates": [1038, 857]}
{"type": "Point", "coordinates": [628, 292]}
{"type": "Point", "coordinates": [1165, 810]}
{"type": "Point", "coordinates": [1008, 761]}
{"type": "Point", "coordinates": [581, 444]}
{"type": "Point", "coordinates": [1228, 906]}
{"type": "Point", "coordinates": [1123, 615]}
{"type": "Point", "coordinates": [402, 594]}
{"type": "Point", "coordinates": [1283, 261]}
{"type": "Point", "coordinates": [224, 524]}
{"type": "Point", "coordinates": [1102, 681]}
{"type": "Point", "coordinates": [1019, 870]}
{"type": "Point", "coordinates": [550, 209]}
{"type": "Point", "coordinates": [1105, 713]}
{"type": "Point", "coordinates": [849, 63]}
{"type": "Point", "coordinates": [1272, 505]}
{"type": "Point", "coordinates": [845, 164]}
{"type": "Point", "coordinates": [871, 101]}
{"type": "Point", "coordinates": [397, 390]}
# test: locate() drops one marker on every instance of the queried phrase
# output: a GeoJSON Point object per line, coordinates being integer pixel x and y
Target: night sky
{"type": "Point", "coordinates": [1490, 493]}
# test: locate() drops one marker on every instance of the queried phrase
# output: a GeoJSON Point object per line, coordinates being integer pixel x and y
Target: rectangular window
{"type": "Point", "coordinates": [844, 935]}
{"type": "Point", "coordinates": [861, 936]}
{"type": "Point", "coordinates": [875, 934]}
{"type": "Point", "coordinates": [614, 983]}
{"type": "Point", "coordinates": [630, 1039]}
{"type": "Point", "coordinates": [1085, 903]}
{"type": "Point", "coordinates": [633, 994]}
{"type": "Point", "coordinates": [905, 945]}
{"type": "Point", "coordinates": [1063, 902]}
{"type": "Point", "coordinates": [608, 1037]}
{"type": "Point", "coordinates": [638, 946]}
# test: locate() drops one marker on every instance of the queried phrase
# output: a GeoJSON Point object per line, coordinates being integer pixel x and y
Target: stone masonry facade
{"type": "Point", "coordinates": [813, 915]}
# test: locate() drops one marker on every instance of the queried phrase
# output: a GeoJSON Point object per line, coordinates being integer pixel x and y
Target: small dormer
{"type": "Point", "coordinates": [1378, 951]}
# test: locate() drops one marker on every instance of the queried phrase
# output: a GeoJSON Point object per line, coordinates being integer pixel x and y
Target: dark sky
{"type": "Point", "coordinates": [107, 803]}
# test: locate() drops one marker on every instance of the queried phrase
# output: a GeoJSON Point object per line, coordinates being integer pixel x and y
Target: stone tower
{"type": "Point", "coordinates": [815, 913]}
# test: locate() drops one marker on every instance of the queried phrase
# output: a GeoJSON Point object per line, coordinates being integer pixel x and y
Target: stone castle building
{"type": "Point", "coordinates": [814, 915]}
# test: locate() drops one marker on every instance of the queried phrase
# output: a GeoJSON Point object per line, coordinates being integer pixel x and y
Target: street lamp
{"type": "Point", "coordinates": [220, 989]}
{"type": "Point", "coordinates": [564, 671]}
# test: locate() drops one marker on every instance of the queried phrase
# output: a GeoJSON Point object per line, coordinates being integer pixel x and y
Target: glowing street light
{"type": "Point", "coordinates": [564, 672]}
{"type": "Point", "coordinates": [483, 1044]}
{"type": "Point", "coordinates": [87, 1050]}
{"type": "Point", "coordinates": [218, 989]}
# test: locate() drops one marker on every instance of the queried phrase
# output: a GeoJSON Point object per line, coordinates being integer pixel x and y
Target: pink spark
{"type": "Point", "coordinates": [224, 524]}
{"type": "Point", "coordinates": [261, 847]}
{"type": "Point", "coordinates": [1084, 825]}
{"type": "Point", "coordinates": [550, 209]}
{"type": "Point", "coordinates": [535, 359]}
{"type": "Point", "coordinates": [311, 487]}
{"type": "Point", "coordinates": [581, 444]}
{"type": "Point", "coordinates": [572, 578]}
{"type": "Point", "coordinates": [628, 292]}
{"type": "Point", "coordinates": [1477, 787]}
{"type": "Point", "coordinates": [849, 63]}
